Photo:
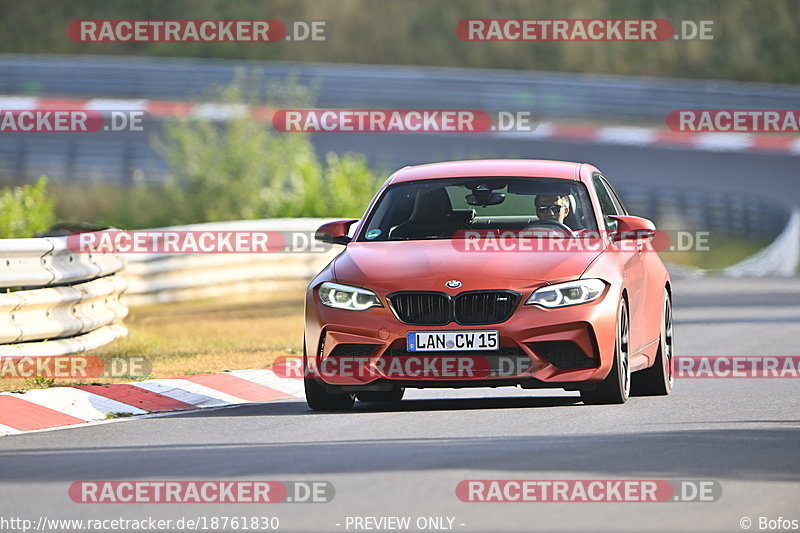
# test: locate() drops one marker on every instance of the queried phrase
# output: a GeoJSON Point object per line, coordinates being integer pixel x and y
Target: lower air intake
{"type": "Point", "coordinates": [353, 350]}
{"type": "Point", "coordinates": [564, 354]}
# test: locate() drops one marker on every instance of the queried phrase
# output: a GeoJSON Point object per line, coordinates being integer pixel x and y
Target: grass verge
{"type": "Point", "coordinates": [722, 253]}
{"type": "Point", "coordinates": [199, 337]}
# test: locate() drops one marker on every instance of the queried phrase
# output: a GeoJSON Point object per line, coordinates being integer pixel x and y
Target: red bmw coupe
{"type": "Point", "coordinates": [490, 273]}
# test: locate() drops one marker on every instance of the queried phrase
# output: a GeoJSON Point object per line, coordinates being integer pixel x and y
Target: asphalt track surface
{"type": "Point", "coordinates": [407, 460]}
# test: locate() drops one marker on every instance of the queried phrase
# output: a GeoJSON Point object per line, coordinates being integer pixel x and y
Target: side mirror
{"type": "Point", "coordinates": [632, 228]}
{"type": "Point", "coordinates": [335, 232]}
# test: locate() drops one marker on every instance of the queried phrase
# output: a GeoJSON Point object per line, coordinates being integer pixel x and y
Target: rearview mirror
{"type": "Point", "coordinates": [335, 232]}
{"type": "Point", "coordinates": [632, 228]}
{"type": "Point", "coordinates": [491, 198]}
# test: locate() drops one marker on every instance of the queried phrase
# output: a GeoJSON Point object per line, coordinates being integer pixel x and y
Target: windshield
{"type": "Point", "coordinates": [445, 208]}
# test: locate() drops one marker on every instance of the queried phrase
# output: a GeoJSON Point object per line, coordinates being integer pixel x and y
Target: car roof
{"type": "Point", "coordinates": [538, 168]}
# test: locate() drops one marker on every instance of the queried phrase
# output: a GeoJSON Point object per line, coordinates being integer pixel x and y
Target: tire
{"type": "Point", "coordinates": [615, 389]}
{"type": "Point", "coordinates": [320, 399]}
{"type": "Point", "coordinates": [657, 379]}
{"type": "Point", "coordinates": [394, 395]}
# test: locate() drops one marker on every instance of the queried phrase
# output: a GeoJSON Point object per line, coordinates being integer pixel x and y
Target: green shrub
{"type": "Point", "coordinates": [243, 169]}
{"type": "Point", "coordinates": [349, 185]}
{"type": "Point", "coordinates": [26, 210]}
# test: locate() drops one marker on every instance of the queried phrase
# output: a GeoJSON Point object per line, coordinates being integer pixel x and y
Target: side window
{"type": "Point", "coordinates": [615, 197]}
{"type": "Point", "coordinates": [607, 205]}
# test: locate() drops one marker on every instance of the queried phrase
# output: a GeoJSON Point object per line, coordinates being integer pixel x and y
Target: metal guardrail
{"type": "Point", "coordinates": [726, 214]}
{"type": "Point", "coordinates": [158, 278]}
{"type": "Point", "coordinates": [780, 258]}
{"type": "Point", "coordinates": [55, 301]}
{"type": "Point", "coordinates": [547, 94]}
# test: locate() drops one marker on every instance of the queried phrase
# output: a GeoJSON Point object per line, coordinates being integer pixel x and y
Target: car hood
{"type": "Point", "coordinates": [428, 265]}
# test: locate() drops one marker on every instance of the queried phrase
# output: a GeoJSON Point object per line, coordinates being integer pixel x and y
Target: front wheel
{"type": "Point", "coordinates": [616, 387]}
{"type": "Point", "coordinates": [657, 380]}
{"type": "Point", "coordinates": [319, 399]}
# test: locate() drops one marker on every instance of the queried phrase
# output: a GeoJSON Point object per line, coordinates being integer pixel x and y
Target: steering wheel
{"type": "Point", "coordinates": [550, 224]}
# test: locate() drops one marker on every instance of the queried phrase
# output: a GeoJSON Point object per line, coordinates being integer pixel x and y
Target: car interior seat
{"type": "Point", "coordinates": [431, 216]}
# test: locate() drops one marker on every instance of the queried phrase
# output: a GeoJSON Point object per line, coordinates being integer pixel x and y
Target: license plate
{"type": "Point", "coordinates": [451, 341]}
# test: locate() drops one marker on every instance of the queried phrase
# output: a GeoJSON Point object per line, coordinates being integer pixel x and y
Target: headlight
{"type": "Point", "coordinates": [569, 293]}
{"type": "Point", "coordinates": [346, 297]}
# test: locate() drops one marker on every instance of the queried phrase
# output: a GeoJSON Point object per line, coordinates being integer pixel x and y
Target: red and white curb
{"type": "Point", "coordinates": [638, 136]}
{"type": "Point", "coordinates": [156, 108]}
{"type": "Point", "coordinates": [42, 409]}
{"type": "Point", "coordinates": [620, 135]}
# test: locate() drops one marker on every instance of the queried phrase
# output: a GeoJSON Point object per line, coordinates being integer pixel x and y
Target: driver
{"type": "Point", "coordinates": [552, 207]}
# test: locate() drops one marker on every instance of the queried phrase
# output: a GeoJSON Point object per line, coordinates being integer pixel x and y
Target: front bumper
{"type": "Point", "coordinates": [352, 348]}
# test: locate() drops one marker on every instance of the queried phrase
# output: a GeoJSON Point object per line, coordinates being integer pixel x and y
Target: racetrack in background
{"type": "Point", "coordinates": [99, 156]}
{"type": "Point", "coordinates": [771, 175]}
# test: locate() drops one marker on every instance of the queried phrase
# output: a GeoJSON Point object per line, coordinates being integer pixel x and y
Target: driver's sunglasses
{"type": "Point", "coordinates": [554, 209]}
